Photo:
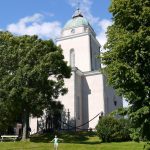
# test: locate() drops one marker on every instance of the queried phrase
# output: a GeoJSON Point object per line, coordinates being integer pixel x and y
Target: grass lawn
{"type": "Point", "coordinates": [72, 141]}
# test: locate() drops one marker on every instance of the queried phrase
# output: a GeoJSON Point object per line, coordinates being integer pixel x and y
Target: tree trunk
{"type": "Point", "coordinates": [25, 122]}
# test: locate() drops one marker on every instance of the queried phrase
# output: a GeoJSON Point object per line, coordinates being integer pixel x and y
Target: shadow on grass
{"type": "Point", "coordinates": [44, 138]}
{"type": "Point", "coordinates": [68, 137]}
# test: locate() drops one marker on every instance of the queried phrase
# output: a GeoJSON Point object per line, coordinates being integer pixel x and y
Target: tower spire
{"type": "Point", "coordinates": [77, 13]}
{"type": "Point", "coordinates": [78, 5]}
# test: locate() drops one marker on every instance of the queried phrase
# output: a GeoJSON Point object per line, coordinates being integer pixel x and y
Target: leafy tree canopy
{"type": "Point", "coordinates": [32, 73]}
{"type": "Point", "coordinates": [127, 60]}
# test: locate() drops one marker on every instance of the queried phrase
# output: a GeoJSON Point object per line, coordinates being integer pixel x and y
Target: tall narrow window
{"type": "Point", "coordinates": [72, 58]}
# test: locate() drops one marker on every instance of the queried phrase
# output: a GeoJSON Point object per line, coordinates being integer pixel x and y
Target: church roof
{"type": "Point", "coordinates": [76, 21]}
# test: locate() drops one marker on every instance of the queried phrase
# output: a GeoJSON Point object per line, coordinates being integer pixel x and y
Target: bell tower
{"type": "Point", "coordinates": [79, 43]}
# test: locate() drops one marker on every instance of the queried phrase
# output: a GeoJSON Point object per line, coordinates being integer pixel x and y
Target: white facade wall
{"type": "Point", "coordinates": [33, 124]}
{"type": "Point", "coordinates": [112, 101]}
{"type": "Point", "coordinates": [68, 100]}
{"type": "Point", "coordinates": [95, 51]}
{"type": "Point", "coordinates": [69, 32]}
{"type": "Point", "coordinates": [78, 98]}
{"type": "Point", "coordinates": [72, 101]}
{"type": "Point", "coordinates": [93, 97]}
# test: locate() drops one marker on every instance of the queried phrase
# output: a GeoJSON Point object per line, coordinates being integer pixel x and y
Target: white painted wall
{"type": "Point", "coordinates": [78, 98]}
{"type": "Point", "coordinates": [93, 97]}
{"type": "Point", "coordinates": [69, 32]}
{"type": "Point", "coordinates": [33, 124]}
{"type": "Point", "coordinates": [95, 51]}
{"type": "Point", "coordinates": [77, 30]}
{"type": "Point", "coordinates": [68, 99]}
{"type": "Point", "coordinates": [81, 46]}
{"type": "Point", "coordinates": [110, 97]}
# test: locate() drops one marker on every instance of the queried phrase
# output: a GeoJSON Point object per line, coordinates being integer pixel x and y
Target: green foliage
{"type": "Point", "coordinates": [7, 116]}
{"type": "Point", "coordinates": [127, 60]}
{"type": "Point", "coordinates": [147, 146]}
{"type": "Point", "coordinates": [135, 134]}
{"type": "Point", "coordinates": [106, 128]}
{"type": "Point", "coordinates": [4, 117]}
{"type": "Point", "coordinates": [124, 129]}
{"type": "Point", "coordinates": [32, 74]}
{"type": "Point", "coordinates": [110, 129]}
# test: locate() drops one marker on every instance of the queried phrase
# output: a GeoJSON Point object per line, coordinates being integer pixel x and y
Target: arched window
{"type": "Point", "coordinates": [72, 58]}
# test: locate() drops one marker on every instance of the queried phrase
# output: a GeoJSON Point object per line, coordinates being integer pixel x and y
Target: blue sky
{"type": "Point", "coordinates": [46, 18]}
{"type": "Point", "coordinates": [13, 10]}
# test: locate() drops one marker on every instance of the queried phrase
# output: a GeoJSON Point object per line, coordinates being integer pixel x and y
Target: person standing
{"type": "Point", "coordinates": [55, 140]}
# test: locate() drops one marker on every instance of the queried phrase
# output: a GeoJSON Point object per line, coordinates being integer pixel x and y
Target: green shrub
{"type": "Point", "coordinates": [124, 130]}
{"type": "Point", "coordinates": [106, 128]}
{"type": "Point", "coordinates": [147, 146]}
{"type": "Point", "coordinates": [111, 129]}
{"type": "Point", "coordinates": [135, 134]}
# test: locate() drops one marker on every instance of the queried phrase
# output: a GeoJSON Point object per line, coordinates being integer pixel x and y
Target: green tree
{"type": "Point", "coordinates": [5, 117]}
{"type": "Point", "coordinates": [127, 60]}
{"type": "Point", "coordinates": [32, 75]}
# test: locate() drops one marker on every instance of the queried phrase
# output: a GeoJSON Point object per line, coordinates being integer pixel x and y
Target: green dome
{"type": "Point", "coordinates": [76, 22]}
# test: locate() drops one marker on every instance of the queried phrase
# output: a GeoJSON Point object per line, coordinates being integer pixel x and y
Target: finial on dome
{"type": "Point", "coordinates": [78, 6]}
{"type": "Point", "coordinates": [77, 13]}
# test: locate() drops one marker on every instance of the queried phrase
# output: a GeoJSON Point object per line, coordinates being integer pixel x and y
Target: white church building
{"type": "Point", "coordinates": [89, 95]}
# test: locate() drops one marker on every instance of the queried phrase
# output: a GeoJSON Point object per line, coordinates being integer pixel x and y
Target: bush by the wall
{"type": "Point", "coordinates": [111, 129]}
{"type": "Point", "coordinates": [147, 146]}
{"type": "Point", "coordinates": [124, 130]}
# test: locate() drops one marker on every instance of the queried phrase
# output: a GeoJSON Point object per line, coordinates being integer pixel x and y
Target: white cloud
{"type": "Point", "coordinates": [35, 25]}
{"type": "Point", "coordinates": [103, 25]}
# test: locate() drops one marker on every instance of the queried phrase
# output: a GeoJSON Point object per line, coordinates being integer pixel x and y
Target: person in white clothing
{"type": "Point", "coordinates": [55, 140]}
